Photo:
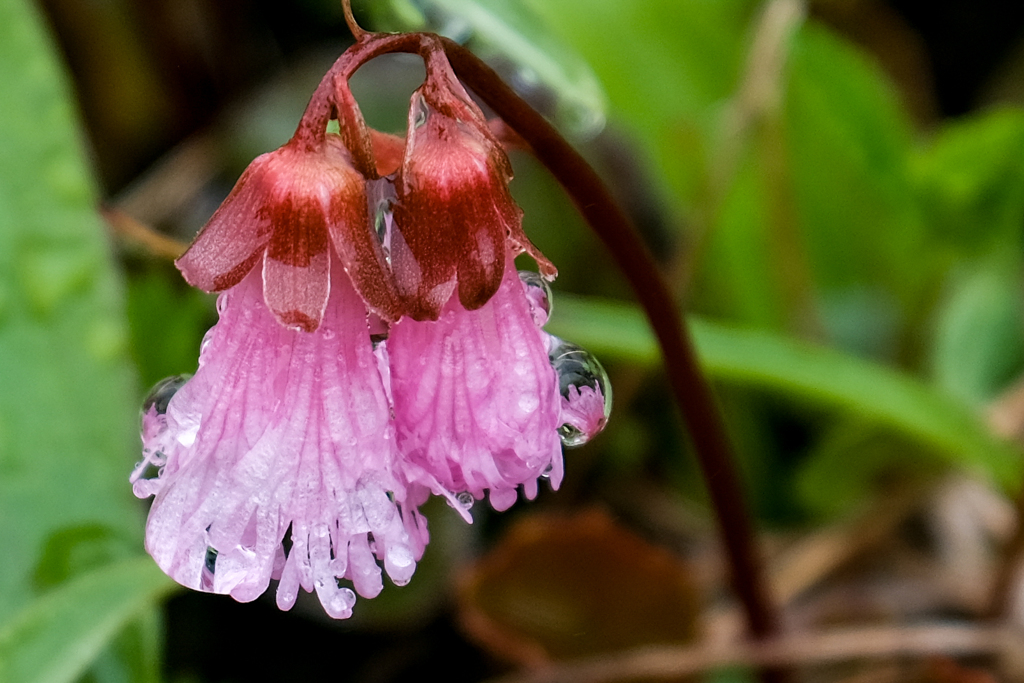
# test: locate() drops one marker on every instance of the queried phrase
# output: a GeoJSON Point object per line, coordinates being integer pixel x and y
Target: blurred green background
{"type": "Point", "coordinates": [834, 189]}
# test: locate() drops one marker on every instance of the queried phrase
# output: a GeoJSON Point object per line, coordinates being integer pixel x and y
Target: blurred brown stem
{"type": "Point", "coordinates": [688, 383]}
{"type": "Point", "coordinates": [132, 230]}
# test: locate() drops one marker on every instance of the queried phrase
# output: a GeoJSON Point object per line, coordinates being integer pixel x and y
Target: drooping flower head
{"type": "Point", "coordinates": [454, 215]}
{"type": "Point", "coordinates": [282, 438]}
{"type": "Point", "coordinates": [375, 344]}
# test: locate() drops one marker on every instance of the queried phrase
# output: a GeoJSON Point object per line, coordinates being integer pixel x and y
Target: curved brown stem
{"type": "Point", "coordinates": [592, 198]}
{"type": "Point", "coordinates": [353, 26]}
{"type": "Point", "coordinates": [691, 388]}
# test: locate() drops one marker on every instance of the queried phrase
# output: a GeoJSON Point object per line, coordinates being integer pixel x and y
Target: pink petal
{"type": "Point", "coordinates": [476, 400]}
{"type": "Point", "coordinates": [282, 428]}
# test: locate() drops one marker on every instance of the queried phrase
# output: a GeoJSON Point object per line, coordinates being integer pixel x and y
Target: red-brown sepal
{"type": "Point", "coordinates": [284, 213]}
{"type": "Point", "coordinates": [454, 211]}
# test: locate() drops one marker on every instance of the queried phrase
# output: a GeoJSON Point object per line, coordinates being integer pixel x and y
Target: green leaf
{"type": "Point", "coordinates": [971, 179]}
{"type": "Point", "coordinates": [165, 345]}
{"type": "Point", "coordinates": [666, 66]}
{"type": "Point", "coordinates": [978, 345]}
{"type": "Point", "coordinates": [868, 458]}
{"type": "Point", "coordinates": [67, 394]}
{"type": "Point", "coordinates": [803, 371]}
{"type": "Point", "coordinates": [849, 143]}
{"type": "Point", "coordinates": [56, 636]}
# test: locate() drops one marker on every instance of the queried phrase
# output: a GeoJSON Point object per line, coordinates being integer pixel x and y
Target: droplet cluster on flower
{"type": "Point", "coordinates": [376, 345]}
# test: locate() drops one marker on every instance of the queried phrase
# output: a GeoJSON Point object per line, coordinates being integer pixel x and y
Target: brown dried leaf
{"type": "Point", "coordinates": [558, 587]}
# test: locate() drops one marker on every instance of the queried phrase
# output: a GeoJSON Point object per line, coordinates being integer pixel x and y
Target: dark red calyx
{"type": "Point", "coordinates": [454, 212]}
{"type": "Point", "coordinates": [285, 212]}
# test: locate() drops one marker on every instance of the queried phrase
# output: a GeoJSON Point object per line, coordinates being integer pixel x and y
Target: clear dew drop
{"type": "Point", "coordinates": [206, 341]}
{"type": "Point", "coordinates": [381, 214]}
{"type": "Point", "coordinates": [572, 436]}
{"type": "Point", "coordinates": [577, 367]}
{"type": "Point", "coordinates": [420, 111]}
{"type": "Point", "coordinates": [529, 403]}
{"type": "Point", "coordinates": [538, 293]}
{"type": "Point", "coordinates": [162, 392]}
{"type": "Point", "coordinates": [400, 556]}
{"type": "Point", "coordinates": [210, 563]}
{"type": "Point", "coordinates": [382, 220]}
{"type": "Point", "coordinates": [465, 499]}
{"type": "Point", "coordinates": [209, 568]}
{"type": "Point", "coordinates": [222, 303]}
{"type": "Point", "coordinates": [546, 474]}
{"type": "Point", "coordinates": [381, 198]}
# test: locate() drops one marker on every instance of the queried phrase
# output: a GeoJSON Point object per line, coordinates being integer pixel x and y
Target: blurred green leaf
{"type": "Point", "coordinates": [67, 395]}
{"type": "Point", "coordinates": [869, 459]}
{"type": "Point", "coordinates": [970, 180]}
{"type": "Point", "coordinates": [56, 636]}
{"type": "Point", "coordinates": [978, 344]}
{"type": "Point", "coordinates": [668, 85]}
{"type": "Point", "coordinates": [849, 142]}
{"type": "Point", "coordinates": [738, 277]}
{"type": "Point", "coordinates": [135, 655]}
{"type": "Point", "coordinates": [802, 371]}
{"type": "Point", "coordinates": [165, 345]}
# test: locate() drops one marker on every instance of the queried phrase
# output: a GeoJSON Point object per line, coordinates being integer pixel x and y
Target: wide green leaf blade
{"type": "Point", "coordinates": [55, 637]}
{"type": "Point", "coordinates": [67, 395]}
{"type": "Point", "coordinates": [803, 371]}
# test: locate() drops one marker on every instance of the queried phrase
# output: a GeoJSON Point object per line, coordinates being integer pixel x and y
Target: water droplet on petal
{"type": "Point", "coordinates": [381, 198]}
{"type": "Point", "coordinates": [420, 111]}
{"type": "Point", "coordinates": [222, 303]}
{"type": "Point", "coordinates": [465, 499]}
{"type": "Point", "coordinates": [210, 563]}
{"type": "Point", "coordinates": [529, 402]}
{"type": "Point", "coordinates": [538, 294]}
{"type": "Point", "coordinates": [162, 392]}
{"type": "Point", "coordinates": [206, 341]}
{"type": "Point", "coordinates": [209, 568]}
{"type": "Point", "coordinates": [585, 389]}
{"type": "Point", "coordinates": [571, 436]}
{"type": "Point", "coordinates": [400, 556]}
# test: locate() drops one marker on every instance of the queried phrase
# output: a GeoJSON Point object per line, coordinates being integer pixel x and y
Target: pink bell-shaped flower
{"type": "Point", "coordinates": [477, 400]}
{"type": "Point", "coordinates": [359, 365]}
{"type": "Point", "coordinates": [278, 460]}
